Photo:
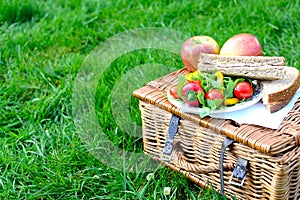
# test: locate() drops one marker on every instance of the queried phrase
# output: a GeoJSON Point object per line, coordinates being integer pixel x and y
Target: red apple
{"type": "Point", "coordinates": [192, 48]}
{"type": "Point", "coordinates": [243, 44]}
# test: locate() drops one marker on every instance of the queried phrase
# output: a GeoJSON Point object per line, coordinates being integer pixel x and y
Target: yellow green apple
{"type": "Point", "coordinates": [243, 44]}
{"type": "Point", "coordinates": [195, 45]}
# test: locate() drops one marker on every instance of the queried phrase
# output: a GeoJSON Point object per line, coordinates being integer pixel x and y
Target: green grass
{"type": "Point", "coordinates": [42, 47]}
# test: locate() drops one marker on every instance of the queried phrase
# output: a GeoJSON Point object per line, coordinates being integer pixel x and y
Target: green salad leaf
{"type": "Point", "coordinates": [214, 104]}
{"type": "Point", "coordinates": [229, 86]}
{"type": "Point", "coordinates": [205, 111]}
{"type": "Point", "coordinates": [209, 81]}
{"type": "Point", "coordinates": [201, 99]}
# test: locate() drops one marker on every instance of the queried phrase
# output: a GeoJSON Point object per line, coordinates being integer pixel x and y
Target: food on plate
{"type": "Point", "coordinates": [195, 45]}
{"type": "Point", "coordinates": [278, 93]}
{"type": "Point", "coordinates": [173, 92]}
{"type": "Point", "coordinates": [211, 91]}
{"type": "Point", "coordinates": [215, 94]}
{"type": "Point", "coordinates": [279, 82]}
{"type": "Point", "coordinates": [254, 67]}
{"type": "Point", "coordinates": [243, 90]}
{"type": "Point", "coordinates": [231, 101]}
{"type": "Point", "coordinates": [190, 91]}
{"type": "Point", "coordinates": [243, 44]}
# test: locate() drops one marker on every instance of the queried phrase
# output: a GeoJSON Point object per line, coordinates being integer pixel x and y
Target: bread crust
{"type": "Point", "coordinates": [275, 106]}
{"type": "Point", "coordinates": [284, 93]}
{"type": "Point", "coordinates": [241, 60]}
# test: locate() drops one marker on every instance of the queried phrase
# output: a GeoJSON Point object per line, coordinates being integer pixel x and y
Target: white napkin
{"type": "Point", "coordinates": [259, 115]}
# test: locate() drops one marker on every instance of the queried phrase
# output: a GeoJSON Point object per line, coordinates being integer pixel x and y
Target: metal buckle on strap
{"type": "Point", "coordinates": [172, 130]}
{"type": "Point", "coordinates": [238, 175]}
{"type": "Point", "coordinates": [226, 143]}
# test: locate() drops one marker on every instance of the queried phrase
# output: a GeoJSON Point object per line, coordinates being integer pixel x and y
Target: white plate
{"type": "Point", "coordinates": [181, 105]}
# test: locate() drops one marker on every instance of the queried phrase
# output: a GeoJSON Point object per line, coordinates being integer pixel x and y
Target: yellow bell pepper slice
{"type": "Point", "coordinates": [231, 101]}
{"type": "Point", "coordinates": [220, 77]}
{"type": "Point", "coordinates": [192, 76]}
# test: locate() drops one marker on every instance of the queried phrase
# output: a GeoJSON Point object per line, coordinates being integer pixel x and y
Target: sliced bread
{"type": "Point", "coordinates": [258, 67]}
{"type": "Point", "coordinates": [275, 106]}
{"type": "Point", "coordinates": [278, 93]}
{"type": "Point", "coordinates": [259, 73]}
{"type": "Point", "coordinates": [244, 60]}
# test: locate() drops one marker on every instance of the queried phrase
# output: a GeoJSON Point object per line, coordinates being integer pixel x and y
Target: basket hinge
{"type": "Point", "coordinates": [238, 175]}
{"type": "Point", "coordinates": [172, 130]}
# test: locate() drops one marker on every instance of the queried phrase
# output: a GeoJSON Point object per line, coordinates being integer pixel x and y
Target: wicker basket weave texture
{"type": "Point", "coordinates": [269, 177]}
{"type": "Point", "coordinates": [273, 155]}
{"type": "Point", "coordinates": [266, 140]}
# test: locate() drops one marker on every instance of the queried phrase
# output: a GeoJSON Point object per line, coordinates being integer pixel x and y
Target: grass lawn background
{"type": "Point", "coordinates": [42, 46]}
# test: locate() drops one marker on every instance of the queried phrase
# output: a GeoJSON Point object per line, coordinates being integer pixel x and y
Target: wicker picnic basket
{"type": "Point", "coordinates": [245, 161]}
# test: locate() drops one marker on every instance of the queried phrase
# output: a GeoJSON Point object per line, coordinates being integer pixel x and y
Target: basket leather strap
{"type": "Point", "coordinates": [172, 130]}
{"type": "Point", "coordinates": [226, 143]}
{"type": "Point", "coordinates": [169, 146]}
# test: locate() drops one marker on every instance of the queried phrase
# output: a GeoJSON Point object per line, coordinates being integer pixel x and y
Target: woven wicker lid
{"type": "Point", "coordinates": [265, 140]}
